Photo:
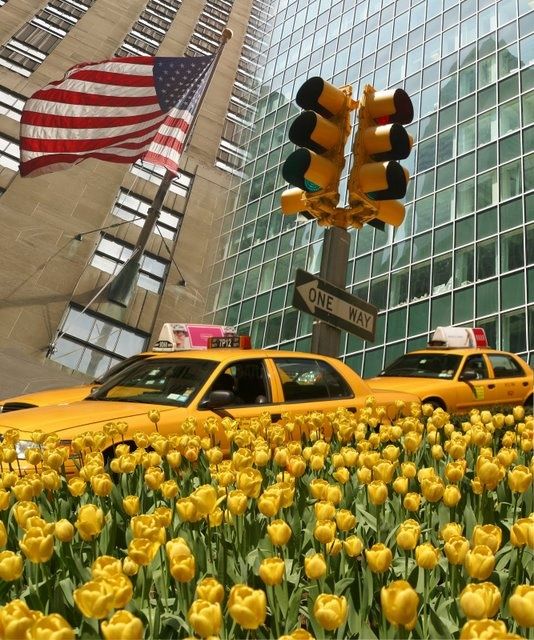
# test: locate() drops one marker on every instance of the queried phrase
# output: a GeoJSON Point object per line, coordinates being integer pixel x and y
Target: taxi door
{"type": "Point", "coordinates": [479, 392]}
{"type": "Point", "coordinates": [509, 380]}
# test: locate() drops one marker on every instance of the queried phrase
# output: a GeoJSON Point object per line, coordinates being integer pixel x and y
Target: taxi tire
{"type": "Point", "coordinates": [529, 403]}
{"type": "Point", "coordinates": [437, 403]}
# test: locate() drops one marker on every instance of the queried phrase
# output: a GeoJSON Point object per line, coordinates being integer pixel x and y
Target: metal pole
{"type": "Point", "coordinates": [122, 286]}
{"type": "Point", "coordinates": [334, 261]}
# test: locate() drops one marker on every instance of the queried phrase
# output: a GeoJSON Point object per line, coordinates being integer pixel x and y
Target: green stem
{"type": "Point", "coordinates": [146, 596]}
{"type": "Point", "coordinates": [406, 565]}
{"type": "Point", "coordinates": [274, 609]}
{"type": "Point", "coordinates": [425, 605]}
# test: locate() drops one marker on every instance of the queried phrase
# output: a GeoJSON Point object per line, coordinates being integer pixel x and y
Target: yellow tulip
{"type": "Point", "coordinates": [269, 503]}
{"type": "Point", "coordinates": [279, 532]}
{"type": "Point", "coordinates": [64, 530]}
{"type": "Point", "coordinates": [479, 562]}
{"type": "Point", "coordinates": [378, 558]}
{"type": "Point", "coordinates": [37, 546]}
{"type": "Point", "coordinates": [408, 535]}
{"type": "Point", "coordinates": [426, 556]}
{"type": "Point", "coordinates": [52, 627]}
{"type": "Point", "coordinates": [90, 521]}
{"type": "Point", "coordinates": [485, 628]}
{"type": "Point", "coordinates": [364, 475]}
{"type": "Point", "coordinates": [122, 624]}
{"type": "Point", "coordinates": [409, 470]}
{"type": "Point", "coordinates": [345, 520]}
{"type": "Point", "coordinates": [187, 512]}
{"type": "Point", "coordinates": [400, 485]}
{"type": "Point", "coordinates": [454, 471]}
{"type": "Point", "coordinates": [325, 531]}
{"type": "Point", "coordinates": [177, 547]}
{"type": "Point", "coordinates": [272, 570]}
{"type": "Point", "coordinates": [183, 568]}
{"type": "Point", "coordinates": [296, 466]}
{"type": "Point", "coordinates": [247, 606]}
{"type": "Point", "coordinates": [330, 611]}
{"type": "Point", "coordinates": [148, 526]}
{"type": "Point", "coordinates": [522, 532]}
{"type": "Point", "coordinates": [76, 486]}
{"type": "Point", "coordinates": [487, 534]}
{"type": "Point", "coordinates": [353, 546]}
{"type": "Point", "coordinates": [342, 475]}
{"type": "Point", "coordinates": [143, 550]}
{"type": "Point", "coordinates": [451, 529]}
{"type": "Point", "coordinates": [315, 566]}
{"type": "Point", "coordinates": [205, 499]}
{"type": "Point", "coordinates": [480, 600]}
{"type": "Point", "coordinates": [237, 502]}
{"type": "Point", "coordinates": [16, 619]}
{"type": "Point", "coordinates": [130, 504]}
{"type": "Point", "coordinates": [297, 634]}
{"type": "Point", "coordinates": [324, 510]}
{"type": "Point", "coordinates": [94, 599]}
{"type": "Point", "coordinates": [105, 567]}
{"type": "Point", "coordinates": [456, 549]}
{"type": "Point", "coordinates": [490, 472]}
{"type": "Point", "coordinates": [519, 479]}
{"type": "Point", "coordinates": [5, 499]}
{"type": "Point", "coordinates": [399, 604]}
{"type": "Point", "coordinates": [122, 589]}
{"type": "Point", "coordinates": [377, 492]}
{"type": "Point", "coordinates": [11, 566]}
{"type": "Point", "coordinates": [101, 484]}
{"type": "Point", "coordinates": [333, 493]}
{"type": "Point", "coordinates": [51, 479]}
{"type": "Point", "coordinates": [130, 567]}
{"type": "Point", "coordinates": [249, 481]}
{"type": "Point", "coordinates": [432, 489]}
{"type": "Point", "coordinates": [384, 471]}
{"type": "Point", "coordinates": [205, 617]}
{"type": "Point", "coordinates": [521, 605]}
{"type": "Point", "coordinates": [412, 501]}
{"type": "Point", "coordinates": [209, 589]}
{"type": "Point", "coordinates": [451, 495]}
{"type": "Point", "coordinates": [24, 510]}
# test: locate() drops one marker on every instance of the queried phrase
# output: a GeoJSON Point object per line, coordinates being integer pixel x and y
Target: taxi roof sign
{"type": "Point", "coordinates": [179, 336]}
{"type": "Point", "coordinates": [458, 337]}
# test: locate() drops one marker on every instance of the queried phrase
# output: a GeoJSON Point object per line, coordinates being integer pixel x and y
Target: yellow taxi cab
{"type": "Point", "coordinates": [459, 372]}
{"type": "Point", "coordinates": [225, 381]}
{"type": "Point", "coordinates": [172, 337]}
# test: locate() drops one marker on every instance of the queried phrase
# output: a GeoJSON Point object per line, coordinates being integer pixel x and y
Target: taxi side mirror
{"type": "Point", "coordinates": [468, 375]}
{"type": "Point", "coordinates": [216, 399]}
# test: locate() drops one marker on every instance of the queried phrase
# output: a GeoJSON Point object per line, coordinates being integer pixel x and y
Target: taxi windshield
{"type": "Point", "coordinates": [172, 382]}
{"type": "Point", "coordinates": [424, 365]}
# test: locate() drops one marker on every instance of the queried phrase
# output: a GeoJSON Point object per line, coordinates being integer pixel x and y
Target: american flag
{"type": "Point", "coordinates": [118, 110]}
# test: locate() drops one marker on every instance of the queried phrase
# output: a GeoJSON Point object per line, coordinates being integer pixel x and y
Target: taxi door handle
{"type": "Point", "coordinates": [491, 386]}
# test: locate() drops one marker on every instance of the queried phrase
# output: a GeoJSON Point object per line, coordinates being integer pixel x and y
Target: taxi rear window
{"type": "Point", "coordinates": [308, 380]}
{"type": "Point", "coordinates": [424, 365]}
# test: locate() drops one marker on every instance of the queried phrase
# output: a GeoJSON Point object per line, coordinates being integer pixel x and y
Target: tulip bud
{"type": "Point", "coordinates": [269, 503]}
{"type": "Point", "coordinates": [205, 617]}
{"type": "Point", "coordinates": [272, 570]}
{"type": "Point", "coordinates": [330, 611]}
{"type": "Point", "coordinates": [345, 520]}
{"type": "Point", "coordinates": [408, 535]}
{"type": "Point", "coordinates": [247, 606]}
{"type": "Point", "coordinates": [426, 556]}
{"type": "Point", "coordinates": [315, 566]}
{"type": "Point", "coordinates": [378, 558]}
{"type": "Point", "coordinates": [487, 534]}
{"type": "Point", "coordinates": [11, 566]}
{"type": "Point", "coordinates": [205, 499]}
{"type": "Point", "coordinates": [130, 504]}
{"type": "Point", "coordinates": [485, 628]}
{"type": "Point", "coordinates": [451, 496]}
{"type": "Point", "coordinates": [353, 546]}
{"type": "Point", "coordinates": [209, 589]}
{"type": "Point", "coordinates": [183, 568]}
{"type": "Point", "coordinates": [64, 530]}
{"type": "Point", "coordinates": [377, 492]}
{"type": "Point", "coordinates": [521, 605]}
{"type": "Point", "coordinates": [479, 562]}
{"type": "Point", "coordinates": [53, 627]}
{"type": "Point", "coordinates": [94, 599]}
{"type": "Point", "coordinates": [279, 532]}
{"type": "Point", "coordinates": [399, 604]}
{"type": "Point", "coordinates": [122, 624]}
{"type": "Point", "coordinates": [412, 501]}
{"type": "Point", "coordinates": [522, 532]}
{"type": "Point", "coordinates": [519, 479]}
{"type": "Point", "coordinates": [400, 485]}
{"type": "Point", "coordinates": [480, 600]}
{"type": "Point", "coordinates": [90, 521]}
{"type": "Point", "coordinates": [325, 531]}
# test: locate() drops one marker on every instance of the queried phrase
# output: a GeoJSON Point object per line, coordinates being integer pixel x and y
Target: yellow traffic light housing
{"type": "Point", "coordinates": [377, 180]}
{"type": "Point", "coordinates": [321, 132]}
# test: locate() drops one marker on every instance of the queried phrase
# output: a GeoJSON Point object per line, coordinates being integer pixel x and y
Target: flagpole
{"type": "Point", "coordinates": [121, 287]}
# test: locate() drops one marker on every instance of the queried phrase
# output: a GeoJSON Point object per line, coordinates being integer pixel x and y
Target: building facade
{"type": "Point", "coordinates": [465, 251]}
{"type": "Point", "coordinates": [65, 235]}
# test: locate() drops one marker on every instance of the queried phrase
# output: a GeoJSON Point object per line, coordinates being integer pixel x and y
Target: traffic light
{"type": "Point", "coordinates": [320, 131]}
{"type": "Point", "coordinates": [376, 178]}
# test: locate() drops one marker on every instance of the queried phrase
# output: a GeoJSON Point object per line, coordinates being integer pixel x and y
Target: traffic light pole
{"type": "Point", "coordinates": [334, 261]}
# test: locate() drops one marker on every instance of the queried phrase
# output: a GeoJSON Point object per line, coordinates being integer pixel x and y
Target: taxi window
{"type": "Point", "coordinates": [306, 380]}
{"type": "Point", "coordinates": [424, 365]}
{"type": "Point", "coordinates": [504, 366]}
{"type": "Point", "coordinates": [173, 382]}
{"type": "Point", "coordinates": [478, 365]}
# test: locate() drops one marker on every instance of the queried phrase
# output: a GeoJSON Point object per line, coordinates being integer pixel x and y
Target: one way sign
{"type": "Point", "coordinates": [334, 305]}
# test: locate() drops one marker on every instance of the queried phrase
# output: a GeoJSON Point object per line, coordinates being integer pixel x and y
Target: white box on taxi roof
{"type": "Point", "coordinates": [179, 336]}
{"type": "Point", "coordinates": [459, 337]}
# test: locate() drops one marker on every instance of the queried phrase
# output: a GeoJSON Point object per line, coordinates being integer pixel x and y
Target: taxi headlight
{"type": "Point", "coordinates": [23, 445]}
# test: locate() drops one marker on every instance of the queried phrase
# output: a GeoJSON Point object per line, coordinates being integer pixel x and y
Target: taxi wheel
{"type": "Point", "coordinates": [529, 403]}
{"type": "Point", "coordinates": [437, 403]}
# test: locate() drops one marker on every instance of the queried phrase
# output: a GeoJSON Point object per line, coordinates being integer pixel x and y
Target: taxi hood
{"type": "Point", "coordinates": [86, 415]}
{"type": "Point", "coordinates": [421, 387]}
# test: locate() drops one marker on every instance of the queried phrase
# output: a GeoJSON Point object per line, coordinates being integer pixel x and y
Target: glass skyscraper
{"type": "Point", "coordinates": [465, 251]}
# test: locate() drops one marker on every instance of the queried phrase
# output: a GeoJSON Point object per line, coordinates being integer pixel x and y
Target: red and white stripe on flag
{"type": "Point", "coordinates": [118, 110]}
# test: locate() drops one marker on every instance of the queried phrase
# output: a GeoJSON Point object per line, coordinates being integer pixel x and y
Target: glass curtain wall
{"type": "Point", "coordinates": [464, 254]}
